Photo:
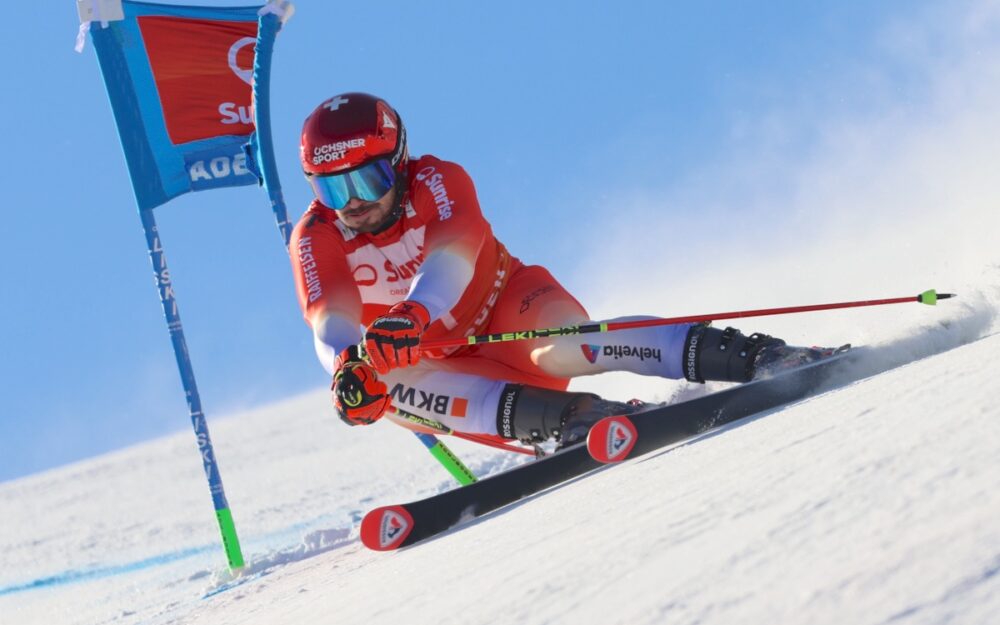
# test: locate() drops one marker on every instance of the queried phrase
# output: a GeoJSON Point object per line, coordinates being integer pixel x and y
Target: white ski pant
{"type": "Point", "coordinates": [463, 391]}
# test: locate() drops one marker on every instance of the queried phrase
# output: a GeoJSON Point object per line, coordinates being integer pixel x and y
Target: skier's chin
{"type": "Point", "coordinates": [366, 218]}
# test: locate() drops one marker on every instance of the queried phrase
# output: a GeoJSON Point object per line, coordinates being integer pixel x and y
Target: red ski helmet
{"type": "Point", "coordinates": [353, 145]}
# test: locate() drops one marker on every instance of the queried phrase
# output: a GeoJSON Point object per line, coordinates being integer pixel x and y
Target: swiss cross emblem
{"type": "Point", "coordinates": [335, 103]}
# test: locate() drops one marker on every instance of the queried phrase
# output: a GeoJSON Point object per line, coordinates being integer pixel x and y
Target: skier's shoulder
{"type": "Point", "coordinates": [440, 185]}
{"type": "Point", "coordinates": [319, 225]}
{"type": "Point", "coordinates": [423, 167]}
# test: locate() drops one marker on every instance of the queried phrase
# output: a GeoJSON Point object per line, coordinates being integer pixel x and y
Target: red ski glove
{"type": "Point", "coordinates": [358, 395]}
{"type": "Point", "coordinates": [393, 340]}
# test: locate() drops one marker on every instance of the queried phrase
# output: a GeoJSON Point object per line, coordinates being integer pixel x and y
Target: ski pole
{"type": "Point", "coordinates": [445, 456]}
{"type": "Point", "coordinates": [403, 418]}
{"type": "Point", "coordinates": [930, 298]}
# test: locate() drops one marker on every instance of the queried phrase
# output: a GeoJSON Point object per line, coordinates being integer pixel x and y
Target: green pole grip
{"type": "Point", "coordinates": [230, 541]}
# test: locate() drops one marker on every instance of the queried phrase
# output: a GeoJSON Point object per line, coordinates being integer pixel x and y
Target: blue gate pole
{"type": "Point", "coordinates": [230, 541]}
{"type": "Point", "coordinates": [262, 150]}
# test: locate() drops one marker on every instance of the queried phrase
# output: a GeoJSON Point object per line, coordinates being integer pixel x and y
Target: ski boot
{"type": "Point", "coordinates": [780, 358]}
{"type": "Point", "coordinates": [729, 356]}
{"type": "Point", "coordinates": [532, 414]}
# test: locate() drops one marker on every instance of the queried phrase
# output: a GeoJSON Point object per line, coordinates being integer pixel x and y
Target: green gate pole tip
{"type": "Point", "coordinates": [454, 466]}
{"type": "Point", "coordinates": [230, 541]}
{"type": "Point", "coordinates": [928, 297]}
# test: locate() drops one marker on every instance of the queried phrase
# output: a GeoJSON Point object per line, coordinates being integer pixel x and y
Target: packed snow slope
{"type": "Point", "coordinates": [873, 503]}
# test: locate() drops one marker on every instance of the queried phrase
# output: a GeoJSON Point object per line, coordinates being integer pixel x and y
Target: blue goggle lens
{"type": "Point", "coordinates": [368, 183]}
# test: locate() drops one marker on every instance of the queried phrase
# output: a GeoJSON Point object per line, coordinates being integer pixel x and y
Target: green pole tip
{"type": "Point", "coordinates": [928, 297]}
{"type": "Point", "coordinates": [230, 542]}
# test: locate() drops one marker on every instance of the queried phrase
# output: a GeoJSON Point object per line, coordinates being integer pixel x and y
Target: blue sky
{"type": "Point", "coordinates": [565, 114]}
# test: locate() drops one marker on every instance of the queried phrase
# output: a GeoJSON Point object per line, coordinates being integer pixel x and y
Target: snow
{"type": "Point", "coordinates": [873, 503]}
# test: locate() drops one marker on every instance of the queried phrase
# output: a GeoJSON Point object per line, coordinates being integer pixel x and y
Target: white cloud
{"type": "Point", "coordinates": [884, 194]}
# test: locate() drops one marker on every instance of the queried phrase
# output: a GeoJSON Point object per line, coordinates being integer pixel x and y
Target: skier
{"type": "Point", "coordinates": [400, 247]}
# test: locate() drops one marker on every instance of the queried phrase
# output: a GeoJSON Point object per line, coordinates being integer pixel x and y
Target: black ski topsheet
{"type": "Point", "coordinates": [614, 439]}
{"type": "Point", "coordinates": [391, 527]}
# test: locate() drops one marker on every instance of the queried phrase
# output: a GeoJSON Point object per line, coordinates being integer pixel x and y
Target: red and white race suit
{"type": "Point", "coordinates": [442, 253]}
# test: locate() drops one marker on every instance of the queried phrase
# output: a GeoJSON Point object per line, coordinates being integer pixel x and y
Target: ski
{"type": "Point", "coordinates": [394, 526]}
{"type": "Point", "coordinates": [616, 438]}
{"type": "Point", "coordinates": [391, 527]}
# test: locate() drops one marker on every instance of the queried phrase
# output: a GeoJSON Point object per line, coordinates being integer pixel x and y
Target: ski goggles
{"type": "Point", "coordinates": [368, 183]}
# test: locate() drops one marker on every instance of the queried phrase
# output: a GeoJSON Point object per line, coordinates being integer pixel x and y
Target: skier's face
{"type": "Point", "coordinates": [367, 216]}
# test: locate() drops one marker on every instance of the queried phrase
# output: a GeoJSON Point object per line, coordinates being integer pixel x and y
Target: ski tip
{"type": "Point", "coordinates": [385, 528]}
{"type": "Point", "coordinates": [611, 439]}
